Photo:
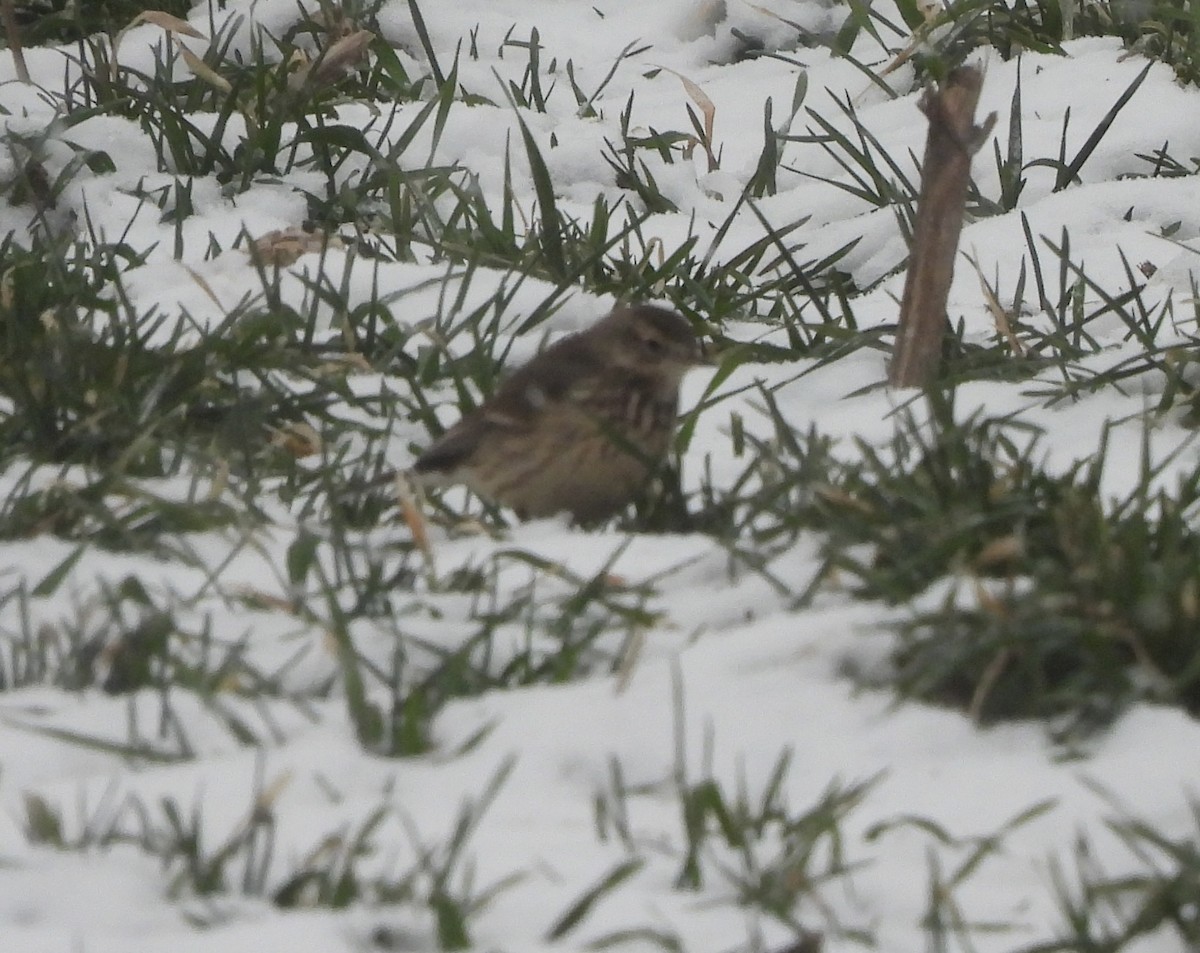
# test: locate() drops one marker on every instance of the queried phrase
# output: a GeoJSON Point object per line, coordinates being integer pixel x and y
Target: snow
{"type": "Point", "coordinates": [729, 676]}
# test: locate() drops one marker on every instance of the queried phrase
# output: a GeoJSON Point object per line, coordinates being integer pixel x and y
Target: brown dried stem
{"type": "Point", "coordinates": [953, 139]}
{"type": "Point", "coordinates": [8, 17]}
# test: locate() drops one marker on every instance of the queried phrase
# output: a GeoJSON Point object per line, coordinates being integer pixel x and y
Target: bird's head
{"type": "Point", "coordinates": [645, 339]}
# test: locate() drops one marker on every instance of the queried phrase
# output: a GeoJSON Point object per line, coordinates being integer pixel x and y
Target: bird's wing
{"type": "Point", "coordinates": [508, 410]}
{"type": "Point", "coordinates": [451, 450]}
{"type": "Point", "coordinates": [552, 377]}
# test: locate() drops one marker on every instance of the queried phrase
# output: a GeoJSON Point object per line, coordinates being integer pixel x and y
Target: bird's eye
{"type": "Point", "coordinates": [654, 346]}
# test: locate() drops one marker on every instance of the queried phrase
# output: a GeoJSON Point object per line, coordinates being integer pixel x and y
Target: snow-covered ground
{"type": "Point", "coordinates": [728, 677]}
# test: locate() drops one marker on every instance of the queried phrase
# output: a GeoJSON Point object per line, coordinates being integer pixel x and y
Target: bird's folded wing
{"type": "Point", "coordinates": [561, 375]}
{"type": "Point", "coordinates": [455, 447]}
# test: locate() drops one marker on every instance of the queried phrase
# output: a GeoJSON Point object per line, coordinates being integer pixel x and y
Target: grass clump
{"type": "Point", "coordinates": [89, 381]}
{"type": "Point", "coordinates": [1103, 614]}
{"type": "Point", "coordinates": [1151, 899]}
{"type": "Point", "coordinates": [1081, 605]}
{"type": "Point", "coordinates": [1163, 30]}
{"type": "Point", "coordinates": [342, 867]}
{"type": "Point", "coordinates": [67, 21]}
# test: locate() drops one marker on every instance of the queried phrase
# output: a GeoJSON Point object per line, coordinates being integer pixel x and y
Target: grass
{"type": "Point", "coordinates": [158, 435]}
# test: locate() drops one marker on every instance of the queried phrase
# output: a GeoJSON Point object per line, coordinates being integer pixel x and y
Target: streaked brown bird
{"type": "Point", "coordinates": [581, 427]}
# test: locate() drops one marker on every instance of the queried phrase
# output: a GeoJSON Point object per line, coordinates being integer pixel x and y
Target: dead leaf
{"type": "Point", "coordinates": [298, 439]}
{"type": "Point", "coordinates": [284, 246]}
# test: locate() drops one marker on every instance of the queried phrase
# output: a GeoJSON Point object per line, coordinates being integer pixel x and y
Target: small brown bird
{"type": "Point", "coordinates": [579, 428]}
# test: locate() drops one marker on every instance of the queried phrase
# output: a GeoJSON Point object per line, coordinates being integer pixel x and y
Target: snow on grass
{"type": "Point", "coordinates": [175, 809]}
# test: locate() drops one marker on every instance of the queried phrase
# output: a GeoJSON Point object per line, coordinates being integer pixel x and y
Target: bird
{"type": "Point", "coordinates": [581, 427]}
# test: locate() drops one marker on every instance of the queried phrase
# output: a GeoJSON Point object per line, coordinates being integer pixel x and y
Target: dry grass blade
{"type": "Point", "coordinates": [707, 109]}
{"type": "Point", "coordinates": [414, 518]}
{"type": "Point", "coordinates": [165, 21]}
{"type": "Point", "coordinates": [999, 314]}
{"type": "Point", "coordinates": [162, 20]}
{"type": "Point", "coordinates": [202, 70]}
{"type": "Point", "coordinates": [334, 62]}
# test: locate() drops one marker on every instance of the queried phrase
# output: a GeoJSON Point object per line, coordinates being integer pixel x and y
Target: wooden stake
{"type": "Point", "coordinates": [8, 17]}
{"type": "Point", "coordinates": [953, 139]}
